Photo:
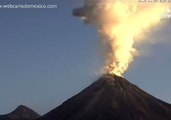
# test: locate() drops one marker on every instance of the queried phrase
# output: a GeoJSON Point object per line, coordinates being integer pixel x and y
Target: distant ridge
{"type": "Point", "coordinates": [111, 98]}
{"type": "Point", "coordinates": [20, 113]}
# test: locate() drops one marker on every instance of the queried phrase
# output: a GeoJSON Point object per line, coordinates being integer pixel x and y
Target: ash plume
{"type": "Point", "coordinates": [120, 25]}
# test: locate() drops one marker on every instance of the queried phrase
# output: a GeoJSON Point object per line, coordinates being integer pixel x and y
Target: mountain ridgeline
{"type": "Point", "coordinates": [20, 113]}
{"type": "Point", "coordinates": [109, 98]}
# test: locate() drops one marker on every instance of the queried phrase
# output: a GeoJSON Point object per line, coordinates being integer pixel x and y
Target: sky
{"type": "Point", "coordinates": [47, 56]}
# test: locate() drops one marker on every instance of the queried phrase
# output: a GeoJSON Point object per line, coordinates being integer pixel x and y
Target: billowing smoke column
{"type": "Point", "coordinates": [120, 24]}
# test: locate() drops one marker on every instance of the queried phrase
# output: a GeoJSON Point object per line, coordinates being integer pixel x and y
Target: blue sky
{"type": "Point", "coordinates": [47, 56]}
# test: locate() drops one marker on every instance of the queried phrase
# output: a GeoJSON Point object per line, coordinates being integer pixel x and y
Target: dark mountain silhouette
{"type": "Point", "coordinates": [111, 98]}
{"type": "Point", "coordinates": [20, 113]}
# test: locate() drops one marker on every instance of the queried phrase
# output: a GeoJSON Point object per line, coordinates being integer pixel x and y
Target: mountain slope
{"type": "Point", "coordinates": [20, 113]}
{"type": "Point", "coordinates": [111, 98]}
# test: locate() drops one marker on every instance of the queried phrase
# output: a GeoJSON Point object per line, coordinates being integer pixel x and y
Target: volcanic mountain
{"type": "Point", "coordinates": [111, 98]}
{"type": "Point", "coordinates": [20, 113]}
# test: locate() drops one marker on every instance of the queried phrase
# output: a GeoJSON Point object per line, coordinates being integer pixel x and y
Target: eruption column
{"type": "Point", "coordinates": [120, 24]}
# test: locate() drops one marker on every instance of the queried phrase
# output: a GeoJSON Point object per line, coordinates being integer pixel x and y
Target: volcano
{"type": "Point", "coordinates": [111, 98]}
{"type": "Point", "coordinates": [20, 113]}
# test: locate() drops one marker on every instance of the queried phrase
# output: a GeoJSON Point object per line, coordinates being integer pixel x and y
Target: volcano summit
{"type": "Point", "coordinates": [111, 98]}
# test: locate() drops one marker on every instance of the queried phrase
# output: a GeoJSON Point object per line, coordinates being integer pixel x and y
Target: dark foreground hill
{"type": "Point", "coordinates": [20, 113]}
{"type": "Point", "coordinates": [111, 98]}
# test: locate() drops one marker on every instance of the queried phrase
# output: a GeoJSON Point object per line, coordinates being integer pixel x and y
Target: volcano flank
{"type": "Point", "coordinates": [111, 98]}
